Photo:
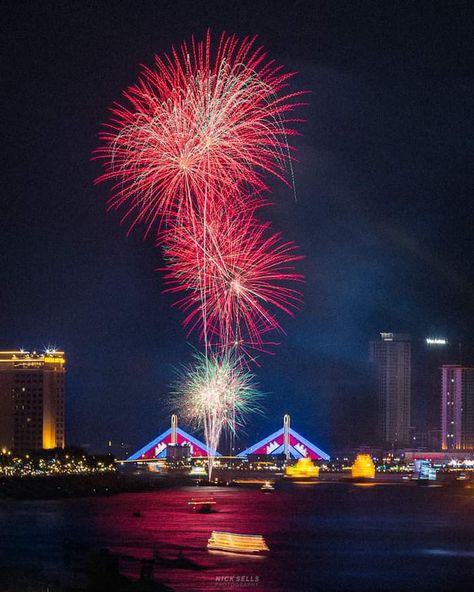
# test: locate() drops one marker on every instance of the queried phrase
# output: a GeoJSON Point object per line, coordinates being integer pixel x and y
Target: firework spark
{"type": "Point", "coordinates": [188, 152]}
{"type": "Point", "coordinates": [197, 127]}
{"type": "Point", "coordinates": [213, 394]}
{"type": "Point", "coordinates": [242, 273]}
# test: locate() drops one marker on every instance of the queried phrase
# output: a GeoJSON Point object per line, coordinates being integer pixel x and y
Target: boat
{"type": "Point", "coordinates": [203, 505]}
{"type": "Point", "coordinates": [303, 470]}
{"type": "Point", "coordinates": [267, 487]}
{"type": "Point", "coordinates": [253, 544]}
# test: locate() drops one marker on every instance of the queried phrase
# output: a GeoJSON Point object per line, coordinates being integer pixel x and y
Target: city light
{"type": "Point", "coordinates": [54, 464]}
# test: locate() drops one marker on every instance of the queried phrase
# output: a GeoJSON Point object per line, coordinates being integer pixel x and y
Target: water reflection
{"type": "Point", "coordinates": [345, 536]}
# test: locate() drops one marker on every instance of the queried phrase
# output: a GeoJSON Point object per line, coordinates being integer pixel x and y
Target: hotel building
{"type": "Point", "coordinates": [457, 407]}
{"type": "Point", "coordinates": [391, 359]}
{"type": "Point", "coordinates": [31, 400]}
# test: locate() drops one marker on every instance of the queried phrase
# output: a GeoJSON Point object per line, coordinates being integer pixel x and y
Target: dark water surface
{"type": "Point", "coordinates": [326, 536]}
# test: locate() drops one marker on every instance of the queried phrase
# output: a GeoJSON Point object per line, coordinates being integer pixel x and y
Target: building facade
{"type": "Point", "coordinates": [457, 407]}
{"type": "Point", "coordinates": [428, 356]}
{"type": "Point", "coordinates": [391, 360]}
{"type": "Point", "coordinates": [32, 400]}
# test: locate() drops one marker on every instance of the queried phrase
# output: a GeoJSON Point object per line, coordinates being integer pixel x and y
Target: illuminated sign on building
{"type": "Point", "coordinates": [436, 341]}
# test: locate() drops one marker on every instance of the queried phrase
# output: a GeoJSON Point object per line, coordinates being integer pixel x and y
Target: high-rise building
{"type": "Point", "coordinates": [31, 400]}
{"type": "Point", "coordinates": [391, 358]}
{"type": "Point", "coordinates": [457, 407]}
{"type": "Point", "coordinates": [428, 356]}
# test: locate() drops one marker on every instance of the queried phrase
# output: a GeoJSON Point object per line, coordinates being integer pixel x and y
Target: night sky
{"type": "Point", "coordinates": [384, 212]}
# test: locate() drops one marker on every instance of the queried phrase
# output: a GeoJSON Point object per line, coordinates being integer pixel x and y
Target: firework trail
{"type": "Point", "coordinates": [187, 154]}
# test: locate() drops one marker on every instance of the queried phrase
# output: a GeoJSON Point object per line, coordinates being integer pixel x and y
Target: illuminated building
{"type": "Point", "coordinates": [32, 400]}
{"type": "Point", "coordinates": [428, 356]}
{"type": "Point", "coordinates": [444, 457]}
{"type": "Point", "coordinates": [363, 467]}
{"type": "Point", "coordinates": [287, 442]}
{"type": "Point", "coordinates": [167, 444]}
{"type": "Point", "coordinates": [391, 359]}
{"type": "Point", "coordinates": [457, 407]}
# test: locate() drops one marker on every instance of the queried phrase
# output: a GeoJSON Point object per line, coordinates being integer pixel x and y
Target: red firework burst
{"type": "Point", "coordinates": [235, 276]}
{"type": "Point", "coordinates": [199, 126]}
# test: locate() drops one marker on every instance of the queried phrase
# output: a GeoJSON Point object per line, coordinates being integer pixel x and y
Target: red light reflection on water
{"type": "Point", "coordinates": [333, 534]}
{"type": "Point", "coordinates": [170, 529]}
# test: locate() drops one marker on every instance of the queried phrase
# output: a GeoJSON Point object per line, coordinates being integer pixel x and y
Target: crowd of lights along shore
{"type": "Point", "coordinates": [188, 153]}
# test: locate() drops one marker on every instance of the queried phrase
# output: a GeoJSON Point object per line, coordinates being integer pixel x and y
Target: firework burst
{"type": "Point", "coordinates": [197, 127]}
{"type": "Point", "coordinates": [213, 394]}
{"type": "Point", "coordinates": [242, 274]}
{"type": "Point", "coordinates": [187, 153]}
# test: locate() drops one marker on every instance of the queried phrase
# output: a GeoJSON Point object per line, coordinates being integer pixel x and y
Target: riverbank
{"type": "Point", "coordinates": [112, 483]}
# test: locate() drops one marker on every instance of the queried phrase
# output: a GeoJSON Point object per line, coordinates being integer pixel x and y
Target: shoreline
{"type": "Point", "coordinates": [69, 486]}
{"type": "Point", "coordinates": [114, 483]}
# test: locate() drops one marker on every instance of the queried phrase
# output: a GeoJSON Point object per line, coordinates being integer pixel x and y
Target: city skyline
{"type": "Point", "coordinates": [399, 401]}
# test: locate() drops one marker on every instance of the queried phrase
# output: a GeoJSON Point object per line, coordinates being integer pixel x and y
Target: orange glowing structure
{"type": "Point", "coordinates": [363, 467]}
{"type": "Point", "coordinates": [237, 543]}
{"type": "Point", "coordinates": [303, 469]}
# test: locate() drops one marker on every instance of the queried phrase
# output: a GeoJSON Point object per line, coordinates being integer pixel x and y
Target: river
{"type": "Point", "coordinates": [325, 536]}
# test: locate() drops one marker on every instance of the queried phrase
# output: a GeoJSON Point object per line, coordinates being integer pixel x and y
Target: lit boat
{"type": "Point", "coordinates": [203, 505]}
{"type": "Point", "coordinates": [237, 543]}
{"type": "Point", "coordinates": [267, 487]}
{"type": "Point", "coordinates": [198, 472]}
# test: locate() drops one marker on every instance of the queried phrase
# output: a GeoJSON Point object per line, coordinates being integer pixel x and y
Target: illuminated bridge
{"type": "Point", "coordinates": [173, 436]}
{"type": "Point", "coordinates": [285, 441]}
